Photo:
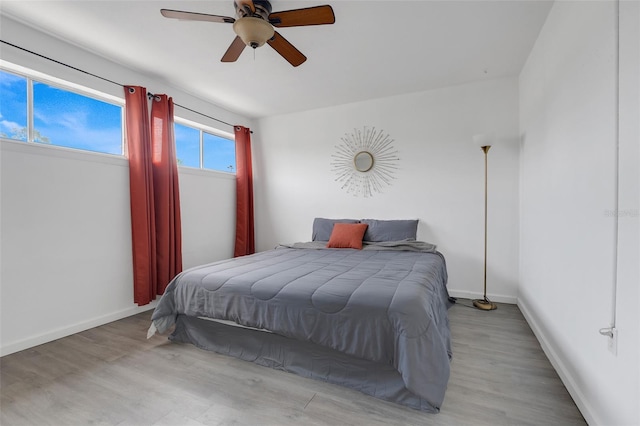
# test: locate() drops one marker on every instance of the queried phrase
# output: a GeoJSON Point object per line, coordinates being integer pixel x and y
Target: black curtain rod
{"type": "Point", "coordinates": [106, 79]}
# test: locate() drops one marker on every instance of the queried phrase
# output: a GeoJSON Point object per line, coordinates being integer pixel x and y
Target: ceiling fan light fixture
{"type": "Point", "coordinates": [254, 32]}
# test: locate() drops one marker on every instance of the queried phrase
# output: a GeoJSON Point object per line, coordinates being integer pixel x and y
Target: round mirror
{"type": "Point", "coordinates": [363, 161]}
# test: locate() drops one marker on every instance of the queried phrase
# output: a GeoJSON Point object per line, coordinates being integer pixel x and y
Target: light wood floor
{"type": "Point", "coordinates": [112, 375]}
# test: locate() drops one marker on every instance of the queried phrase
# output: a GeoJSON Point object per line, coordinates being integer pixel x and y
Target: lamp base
{"type": "Point", "coordinates": [485, 304]}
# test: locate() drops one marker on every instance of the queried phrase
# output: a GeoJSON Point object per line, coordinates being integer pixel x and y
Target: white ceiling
{"type": "Point", "coordinates": [375, 48]}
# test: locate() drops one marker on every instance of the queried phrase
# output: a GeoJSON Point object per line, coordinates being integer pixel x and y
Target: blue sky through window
{"type": "Point", "coordinates": [60, 117]}
{"type": "Point", "coordinates": [219, 153]}
{"type": "Point", "coordinates": [13, 106]}
{"type": "Point", "coordinates": [76, 121]}
{"type": "Point", "coordinates": [187, 145]}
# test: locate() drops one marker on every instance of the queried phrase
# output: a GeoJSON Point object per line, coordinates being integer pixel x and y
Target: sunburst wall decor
{"type": "Point", "coordinates": [365, 161]}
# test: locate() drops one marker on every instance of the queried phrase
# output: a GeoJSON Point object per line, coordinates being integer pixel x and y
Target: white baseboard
{"type": "Point", "coordinates": [558, 363]}
{"type": "Point", "coordinates": [473, 295]}
{"type": "Point", "coordinates": [61, 332]}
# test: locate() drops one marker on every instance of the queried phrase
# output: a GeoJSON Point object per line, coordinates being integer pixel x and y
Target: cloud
{"type": "Point", "coordinates": [9, 126]}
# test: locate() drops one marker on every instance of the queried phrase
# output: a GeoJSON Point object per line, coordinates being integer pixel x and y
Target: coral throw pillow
{"type": "Point", "coordinates": [347, 235]}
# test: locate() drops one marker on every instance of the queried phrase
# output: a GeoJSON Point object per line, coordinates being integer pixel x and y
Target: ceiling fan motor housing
{"type": "Point", "coordinates": [262, 9]}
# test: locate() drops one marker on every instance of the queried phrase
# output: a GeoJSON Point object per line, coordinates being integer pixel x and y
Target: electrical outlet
{"type": "Point", "coordinates": [613, 341]}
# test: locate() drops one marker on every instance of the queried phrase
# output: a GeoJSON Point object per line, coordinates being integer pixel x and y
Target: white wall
{"type": "Point", "coordinates": [65, 247]}
{"type": "Point", "coordinates": [568, 119]}
{"type": "Point", "coordinates": [440, 178]}
{"type": "Point", "coordinates": [208, 209]}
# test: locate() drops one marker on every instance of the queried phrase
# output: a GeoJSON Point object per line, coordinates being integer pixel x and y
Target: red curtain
{"type": "Point", "coordinates": [143, 228]}
{"type": "Point", "coordinates": [245, 241]}
{"type": "Point", "coordinates": [166, 192]}
{"type": "Point", "coordinates": [155, 202]}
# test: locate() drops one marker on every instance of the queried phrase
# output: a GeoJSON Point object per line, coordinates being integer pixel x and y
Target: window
{"type": "Point", "coordinates": [199, 148]}
{"type": "Point", "coordinates": [34, 111]}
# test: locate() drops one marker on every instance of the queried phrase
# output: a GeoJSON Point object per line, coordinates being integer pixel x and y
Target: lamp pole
{"type": "Point", "coordinates": [485, 304]}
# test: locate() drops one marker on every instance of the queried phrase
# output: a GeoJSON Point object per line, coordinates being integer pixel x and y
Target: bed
{"type": "Point", "coordinates": [372, 318]}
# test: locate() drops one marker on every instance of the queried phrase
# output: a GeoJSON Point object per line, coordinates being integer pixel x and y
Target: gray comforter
{"type": "Point", "coordinates": [386, 303]}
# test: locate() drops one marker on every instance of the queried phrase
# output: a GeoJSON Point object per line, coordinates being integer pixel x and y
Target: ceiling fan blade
{"type": "Point", "coordinates": [246, 3]}
{"type": "Point", "coordinates": [193, 16]}
{"type": "Point", "coordinates": [233, 52]}
{"type": "Point", "coordinates": [318, 15]}
{"type": "Point", "coordinates": [286, 49]}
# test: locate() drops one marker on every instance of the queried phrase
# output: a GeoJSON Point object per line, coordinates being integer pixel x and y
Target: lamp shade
{"type": "Point", "coordinates": [482, 140]}
{"type": "Point", "coordinates": [254, 32]}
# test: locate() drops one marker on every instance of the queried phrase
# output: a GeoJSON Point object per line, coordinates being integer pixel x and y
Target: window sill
{"type": "Point", "coordinates": [205, 172]}
{"type": "Point", "coordinates": [33, 148]}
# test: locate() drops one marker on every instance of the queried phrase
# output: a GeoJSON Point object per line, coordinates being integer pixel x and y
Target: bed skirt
{"type": "Point", "coordinates": [302, 358]}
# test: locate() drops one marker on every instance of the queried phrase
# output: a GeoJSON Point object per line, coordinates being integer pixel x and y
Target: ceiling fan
{"type": "Point", "coordinates": [254, 26]}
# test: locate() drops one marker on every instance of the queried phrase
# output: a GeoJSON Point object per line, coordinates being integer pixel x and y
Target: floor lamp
{"type": "Point", "coordinates": [485, 304]}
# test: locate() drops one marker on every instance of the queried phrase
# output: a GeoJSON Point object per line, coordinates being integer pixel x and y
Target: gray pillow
{"type": "Point", "coordinates": [390, 230]}
{"type": "Point", "coordinates": [322, 228]}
